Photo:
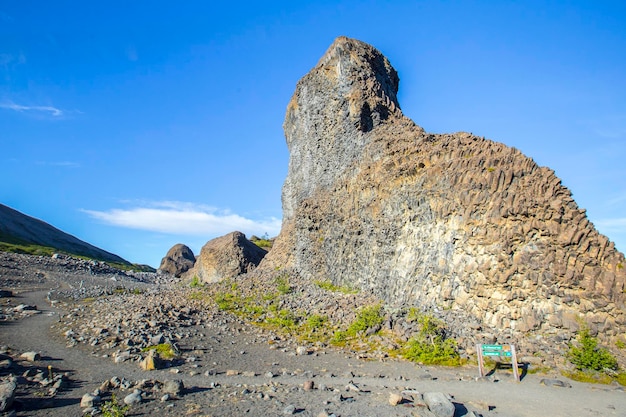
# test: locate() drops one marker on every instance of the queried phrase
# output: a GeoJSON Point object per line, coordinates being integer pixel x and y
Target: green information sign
{"type": "Point", "coordinates": [506, 351]}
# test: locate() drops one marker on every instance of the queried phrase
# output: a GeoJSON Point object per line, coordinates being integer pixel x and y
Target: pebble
{"type": "Point", "coordinates": [395, 399]}
{"type": "Point", "coordinates": [89, 400]}
{"type": "Point", "coordinates": [133, 398]}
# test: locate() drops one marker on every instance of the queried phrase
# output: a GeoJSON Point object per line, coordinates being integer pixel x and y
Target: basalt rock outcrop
{"type": "Point", "coordinates": [449, 221]}
{"type": "Point", "coordinates": [226, 257]}
{"type": "Point", "coordinates": [178, 260]}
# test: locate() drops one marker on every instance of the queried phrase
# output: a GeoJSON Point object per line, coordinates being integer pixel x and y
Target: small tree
{"type": "Point", "coordinates": [589, 356]}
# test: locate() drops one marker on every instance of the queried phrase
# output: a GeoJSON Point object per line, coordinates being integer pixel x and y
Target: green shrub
{"type": "Point", "coordinates": [282, 283]}
{"type": "Point", "coordinates": [367, 317]}
{"type": "Point", "coordinates": [316, 321]}
{"type": "Point", "coordinates": [113, 408]}
{"type": "Point", "coordinates": [589, 356]}
{"type": "Point", "coordinates": [195, 282]}
{"type": "Point", "coordinates": [430, 346]}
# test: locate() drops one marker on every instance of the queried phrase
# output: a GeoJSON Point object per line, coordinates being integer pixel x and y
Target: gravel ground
{"type": "Point", "coordinates": [90, 324]}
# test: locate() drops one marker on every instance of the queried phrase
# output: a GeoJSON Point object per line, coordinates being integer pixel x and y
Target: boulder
{"type": "Point", "coordinates": [439, 404]}
{"type": "Point", "coordinates": [178, 260]}
{"type": "Point", "coordinates": [226, 257]}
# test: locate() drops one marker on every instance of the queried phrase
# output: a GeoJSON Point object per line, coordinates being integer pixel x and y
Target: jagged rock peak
{"type": "Point", "coordinates": [348, 94]}
{"type": "Point", "coordinates": [178, 260]}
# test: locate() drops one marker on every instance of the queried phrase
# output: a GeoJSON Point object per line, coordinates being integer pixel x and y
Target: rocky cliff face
{"type": "Point", "coordinates": [450, 221]}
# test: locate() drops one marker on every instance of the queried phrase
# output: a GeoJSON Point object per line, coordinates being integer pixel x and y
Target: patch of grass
{"type": "Point", "coordinates": [588, 356]}
{"type": "Point", "coordinates": [165, 350]}
{"type": "Point", "coordinates": [284, 319]}
{"type": "Point", "coordinates": [113, 408]}
{"type": "Point", "coordinates": [620, 344]}
{"type": "Point", "coordinates": [329, 286]}
{"type": "Point", "coordinates": [589, 377]}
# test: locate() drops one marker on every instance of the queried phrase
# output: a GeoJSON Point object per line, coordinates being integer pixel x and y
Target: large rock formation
{"type": "Point", "coordinates": [178, 260]}
{"type": "Point", "coordinates": [226, 257]}
{"type": "Point", "coordinates": [436, 220]}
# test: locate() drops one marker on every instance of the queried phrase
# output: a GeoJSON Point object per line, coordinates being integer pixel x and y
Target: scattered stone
{"type": "Point", "coordinates": [174, 387]}
{"type": "Point", "coordinates": [352, 387]}
{"type": "Point", "coordinates": [31, 356]}
{"type": "Point", "coordinates": [555, 383]}
{"type": "Point", "coordinates": [89, 400]}
{"type": "Point", "coordinates": [232, 372]}
{"type": "Point", "coordinates": [439, 404]}
{"type": "Point", "coordinates": [7, 393]}
{"type": "Point", "coordinates": [395, 399]}
{"type": "Point", "coordinates": [308, 385]}
{"type": "Point", "coordinates": [289, 410]}
{"type": "Point", "coordinates": [302, 350]}
{"type": "Point", "coordinates": [133, 398]}
{"type": "Point", "coordinates": [151, 362]}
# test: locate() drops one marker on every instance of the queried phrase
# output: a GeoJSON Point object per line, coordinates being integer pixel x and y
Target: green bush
{"type": "Point", "coordinates": [367, 317]}
{"type": "Point", "coordinates": [430, 346]}
{"type": "Point", "coordinates": [195, 282]}
{"type": "Point", "coordinates": [113, 408]}
{"type": "Point", "coordinates": [589, 356]}
{"type": "Point", "coordinates": [283, 286]}
{"type": "Point", "coordinates": [329, 286]}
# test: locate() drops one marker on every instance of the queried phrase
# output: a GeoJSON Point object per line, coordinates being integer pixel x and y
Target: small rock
{"type": "Point", "coordinates": [289, 410]}
{"type": "Point", "coordinates": [395, 399]}
{"type": "Point", "coordinates": [231, 372]}
{"type": "Point", "coordinates": [151, 362]}
{"type": "Point", "coordinates": [174, 387]}
{"type": "Point", "coordinates": [133, 398]}
{"type": "Point", "coordinates": [7, 393]}
{"type": "Point", "coordinates": [89, 400]}
{"type": "Point", "coordinates": [555, 383]}
{"type": "Point", "coordinates": [31, 356]}
{"type": "Point", "coordinates": [352, 387]}
{"type": "Point", "coordinates": [302, 350]}
{"type": "Point", "coordinates": [308, 385]}
{"type": "Point", "coordinates": [439, 404]}
{"type": "Point", "coordinates": [165, 398]}
{"type": "Point", "coordinates": [269, 374]}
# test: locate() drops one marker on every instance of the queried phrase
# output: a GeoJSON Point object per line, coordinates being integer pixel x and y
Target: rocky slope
{"type": "Point", "coordinates": [16, 227]}
{"type": "Point", "coordinates": [452, 222]}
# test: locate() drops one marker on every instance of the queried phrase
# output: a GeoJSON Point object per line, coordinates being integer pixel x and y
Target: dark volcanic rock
{"type": "Point", "coordinates": [456, 221]}
{"type": "Point", "coordinates": [226, 257]}
{"type": "Point", "coordinates": [179, 259]}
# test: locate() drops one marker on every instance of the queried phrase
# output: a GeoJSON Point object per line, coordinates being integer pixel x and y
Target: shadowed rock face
{"type": "Point", "coordinates": [449, 220]}
{"type": "Point", "coordinates": [178, 260]}
{"type": "Point", "coordinates": [226, 257]}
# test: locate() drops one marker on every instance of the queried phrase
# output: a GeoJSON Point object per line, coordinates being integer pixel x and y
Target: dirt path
{"type": "Point", "coordinates": [210, 391]}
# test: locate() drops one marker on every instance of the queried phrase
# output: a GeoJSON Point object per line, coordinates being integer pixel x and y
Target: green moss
{"type": "Point", "coordinates": [165, 350]}
{"type": "Point", "coordinates": [367, 317]}
{"type": "Point", "coordinates": [282, 283]}
{"type": "Point", "coordinates": [195, 282]}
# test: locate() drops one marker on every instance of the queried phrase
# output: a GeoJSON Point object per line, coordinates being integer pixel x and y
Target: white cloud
{"type": "Point", "coordinates": [20, 108]}
{"type": "Point", "coordinates": [181, 218]}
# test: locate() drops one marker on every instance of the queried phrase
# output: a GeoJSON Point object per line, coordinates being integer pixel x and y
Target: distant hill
{"type": "Point", "coordinates": [19, 229]}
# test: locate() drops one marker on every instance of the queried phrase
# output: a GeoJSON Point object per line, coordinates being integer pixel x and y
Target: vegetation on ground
{"type": "Point", "coordinates": [195, 282]}
{"type": "Point", "coordinates": [165, 350]}
{"type": "Point", "coordinates": [113, 408]}
{"type": "Point", "coordinates": [430, 346]}
{"type": "Point", "coordinates": [329, 286]}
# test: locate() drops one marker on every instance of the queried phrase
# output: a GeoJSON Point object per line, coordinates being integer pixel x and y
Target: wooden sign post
{"type": "Point", "coordinates": [501, 351]}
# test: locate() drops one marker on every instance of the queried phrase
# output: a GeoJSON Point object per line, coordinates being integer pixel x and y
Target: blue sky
{"type": "Point", "coordinates": [138, 125]}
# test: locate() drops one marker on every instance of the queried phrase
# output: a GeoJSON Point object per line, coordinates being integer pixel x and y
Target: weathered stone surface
{"type": "Point", "coordinates": [31, 356]}
{"type": "Point", "coordinates": [226, 257]}
{"type": "Point", "coordinates": [373, 201]}
{"type": "Point", "coordinates": [439, 404]}
{"type": "Point", "coordinates": [7, 393]}
{"type": "Point", "coordinates": [178, 260]}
